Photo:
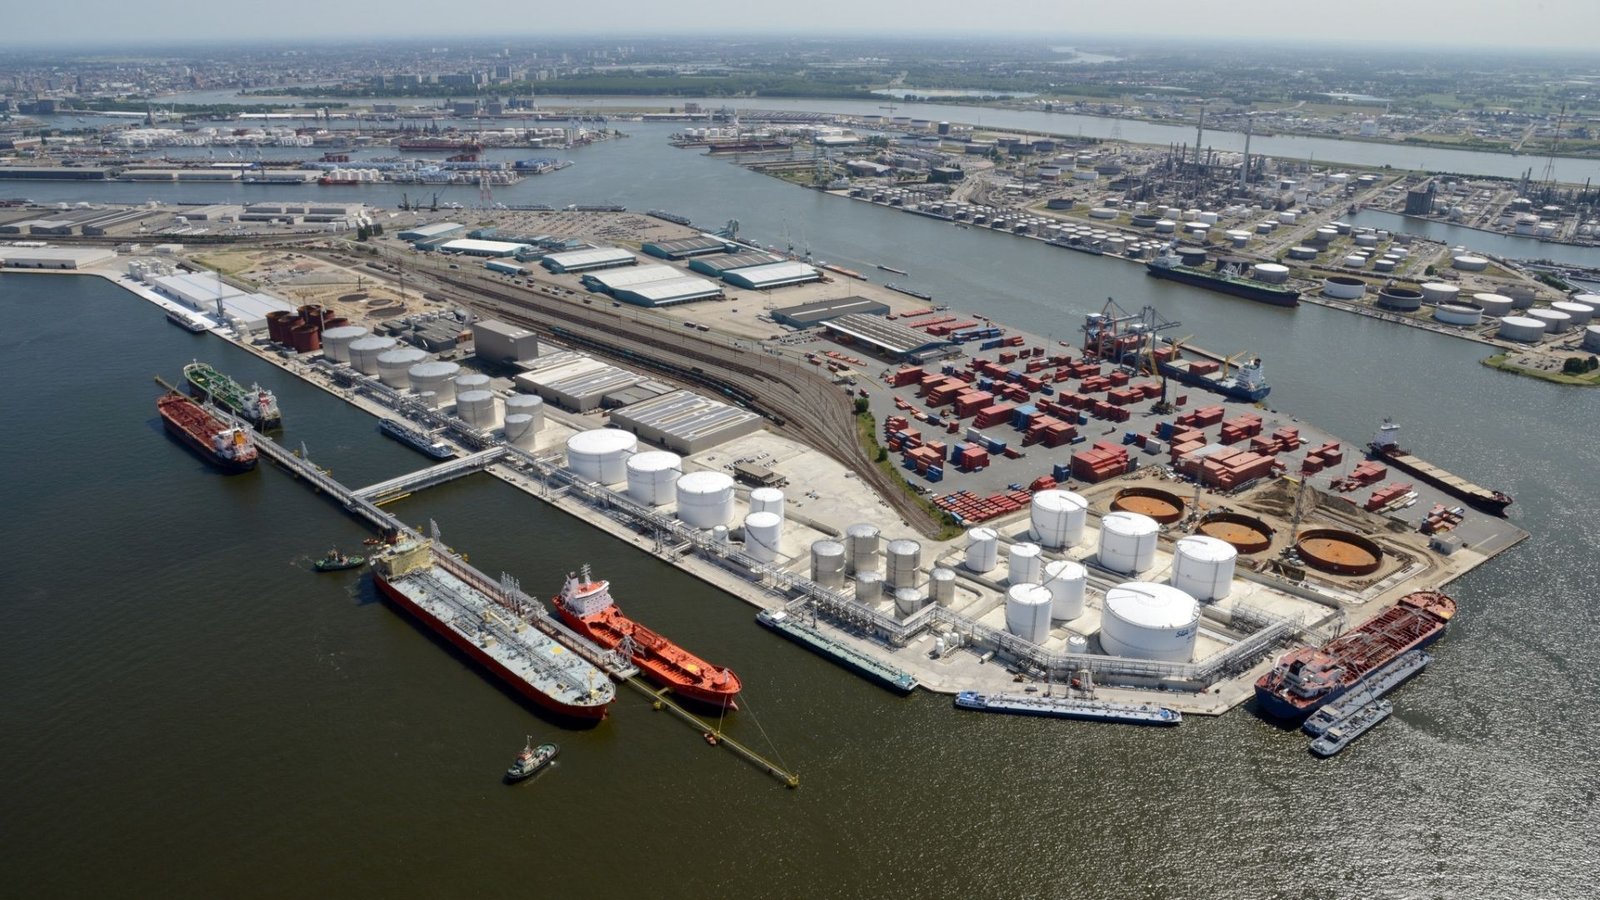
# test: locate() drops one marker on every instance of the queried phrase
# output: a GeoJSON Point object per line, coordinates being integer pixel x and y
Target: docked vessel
{"type": "Point", "coordinates": [1382, 682]}
{"type": "Point", "coordinates": [1343, 734]}
{"type": "Point", "coordinates": [1385, 447]}
{"type": "Point", "coordinates": [255, 405]}
{"type": "Point", "coordinates": [531, 761]}
{"type": "Point", "coordinates": [1169, 266]}
{"type": "Point", "coordinates": [338, 562]}
{"type": "Point", "coordinates": [1245, 383]}
{"type": "Point", "coordinates": [187, 323]}
{"type": "Point", "coordinates": [909, 292]}
{"type": "Point", "coordinates": [416, 440]}
{"type": "Point", "coordinates": [223, 444]}
{"type": "Point", "coordinates": [841, 270]}
{"type": "Point", "coordinates": [1069, 708]}
{"type": "Point", "coordinates": [452, 145]}
{"type": "Point", "coordinates": [1307, 679]}
{"type": "Point", "coordinates": [449, 602]}
{"type": "Point", "coordinates": [586, 606]}
{"type": "Point", "coordinates": [893, 269]}
{"type": "Point", "coordinates": [861, 663]}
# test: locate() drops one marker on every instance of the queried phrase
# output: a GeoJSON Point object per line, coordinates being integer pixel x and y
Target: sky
{"type": "Point", "coordinates": [1567, 24]}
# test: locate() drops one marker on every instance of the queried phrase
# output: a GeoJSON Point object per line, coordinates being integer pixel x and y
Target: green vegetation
{"type": "Point", "coordinates": [867, 433]}
{"type": "Point", "coordinates": [1590, 377]}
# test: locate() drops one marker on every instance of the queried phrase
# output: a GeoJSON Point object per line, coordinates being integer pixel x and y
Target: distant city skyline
{"type": "Point", "coordinates": [1556, 24]}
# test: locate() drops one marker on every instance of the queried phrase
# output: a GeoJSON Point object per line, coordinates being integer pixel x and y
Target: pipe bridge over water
{"type": "Point", "coordinates": [431, 476]}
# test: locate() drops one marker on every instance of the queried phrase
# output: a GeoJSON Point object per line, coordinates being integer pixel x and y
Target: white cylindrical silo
{"type": "Point", "coordinates": [1468, 262]}
{"type": "Point", "coordinates": [762, 532]}
{"type": "Point", "coordinates": [471, 381]}
{"type": "Point", "coordinates": [652, 475]}
{"type": "Point", "coordinates": [1438, 292]}
{"type": "Point", "coordinates": [861, 548]}
{"type": "Point", "coordinates": [705, 499]}
{"type": "Point", "coordinates": [869, 586]}
{"type": "Point", "coordinates": [478, 409]}
{"type": "Point", "coordinates": [1028, 612]}
{"type": "Point", "coordinates": [394, 366]}
{"type": "Point", "coordinates": [601, 454]}
{"type": "Point", "coordinates": [1077, 644]}
{"type": "Point", "coordinates": [364, 352]}
{"type": "Point", "coordinates": [1057, 518]}
{"type": "Point", "coordinates": [1578, 314]}
{"type": "Point", "coordinates": [438, 377]}
{"type": "Point", "coordinates": [336, 341]}
{"type": "Point", "coordinates": [827, 563]}
{"type": "Point", "coordinates": [983, 550]}
{"type": "Point", "coordinates": [902, 560]}
{"type": "Point", "coordinates": [1271, 273]}
{"type": "Point", "coordinates": [1202, 567]}
{"type": "Point", "coordinates": [521, 432]}
{"type": "Point", "coordinates": [530, 405]}
{"type": "Point", "coordinates": [1521, 328]}
{"type": "Point", "coordinates": [907, 601]}
{"type": "Point", "coordinates": [942, 586]}
{"type": "Point", "coordinates": [1496, 305]}
{"type": "Point", "coordinates": [1067, 581]}
{"type": "Point", "coordinates": [1024, 565]}
{"type": "Point", "coordinates": [1145, 620]}
{"type": "Point", "coordinates": [1591, 338]}
{"type": "Point", "coordinates": [767, 499]}
{"type": "Point", "coordinates": [1128, 542]}
{"type": "Point", "coordinates": [1554, 321]}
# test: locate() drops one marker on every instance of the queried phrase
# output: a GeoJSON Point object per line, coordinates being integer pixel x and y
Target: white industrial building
{"type": "Point", "coordinates": [196, 290]}
{"type": "Point", "coordinates": [499, 342]}
{"type": "Point", "coordinates": [574, 261]}
{"type": "Point", "coordinates": [54, 257]}
{"type": "Point", "coordinates": [657, 285]}
{"type": "Point", "coordinates": [686, 422]}
{"type": "Point", "coordinates": [574, 381]}
{"type": "Point", "coordinates": [431, 232]}
{"type": "Point", "coordinates": [472, 247]}
{"type": "Point", "coordinates": [772, 275]}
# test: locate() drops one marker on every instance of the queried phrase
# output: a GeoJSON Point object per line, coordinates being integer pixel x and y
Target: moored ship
{"type": "Point", "coordinates": [1306, 679]}
{"type": "Point", "coordinates": [586, 606]}
{"type": "Point", "coordinates": [223, 444]}
{"type": "Point", "coordinates": [1070, 708]}
{"type": "Point", "coordinates": [1171, 267]}
{"type": "Point", "coordinates": [1247, 383]}
{"type": "Point", "coordinates": [1385, 447]}
{"type": "Point", "coordinates": [417, 440]}
{"type": "Point", "coordinates": [255, 404]}
{"type": "Point", "coordinates": [894, 679]}
{"type": "Point", "coordinates": [447, 600]}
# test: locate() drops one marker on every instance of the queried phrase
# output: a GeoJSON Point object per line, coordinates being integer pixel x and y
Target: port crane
{"type": "Point", "coordinates": [1125, 338]}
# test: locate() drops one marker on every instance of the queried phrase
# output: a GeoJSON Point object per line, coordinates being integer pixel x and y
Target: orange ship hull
{"type": "Point", "coordinates": [658, 659]}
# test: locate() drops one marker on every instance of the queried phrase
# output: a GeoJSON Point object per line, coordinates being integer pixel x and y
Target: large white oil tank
{"type": "Point", "coordinates": [1128, 542]}
{"type": "Point", "coordinates": [1271, 273]}
{"type": "Point", "coordinates": [364, 352]}
{"type": "Point", "coordinates": [1578, 314]}
{"type": "Point", "coordinates": [1024, 565]}
{"type": "Point", "coordinates": [907, 601]}
{"type": "Point", "coordinates": [478, 409]}
{"type": "Point", "coordinates": [1468, 262]}
{"type": "Point", "coordinates": [1496, 305]}
{"type": "Point", "coordinates": [767, 499]}
{"type": "Point", "coordinates": [394, 366]}
{"type": "Point", "coordinates": [1145, 620]}
{"type": "Point", "coordinates": [1468, 314]}
{"type": "Point", "coordinates": [902, 559]}
{"type": "Point", "coordinates": [1554, 320]}
{"type": "Point", "coordinates": [652, 476]}
{"type": "Point", "coordinates": [983, 550]}
{"type": "Point", "coordinates": [869, 586]}
{"type": "Point", "coordinates": [762, 531]}
{"type": "Point", "coordinates": [861, 548]}
{"type": "Point", "coordinates": [942, 586]}
{"type": "Point", "coordinates": [1439, 292]}
{"type": "Point", "coordinates": [438, 377]}
{"type": "Point", "coordinates": [1057, 518]}
{"type": "Point", "coordinates": [521, 431]}
{"type": "Point", "coordinates": [471, 381]}
{"type": "Point", "coordinates": [1066, 580]}
{"type": "Point", "coordinates": [1521, 328]}
{"type": "Point", "coordinates": [705, 499]}
{"type": "Point", "coordinates": [1591, 338]}
{"type": "Point", "coordinates": [827, 563]}
{"type": "Point", "coordinates": [336, 341]}
{"type": "Point", "coordinates": [531, 405]}
{"type": "Point", "coordinates": [1028, 612]}
{"type": "Point", "coordinates": [601, 454]}
{"type": "Point", "coordinates": [1202, 567]}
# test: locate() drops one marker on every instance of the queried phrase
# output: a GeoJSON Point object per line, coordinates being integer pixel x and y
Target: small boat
{"type": "Point", "coordinates": [530, 761]}
{"type": "Point", "coordinates": [893, 269]}
{"type": "Point", "coordinates": [338, 562]}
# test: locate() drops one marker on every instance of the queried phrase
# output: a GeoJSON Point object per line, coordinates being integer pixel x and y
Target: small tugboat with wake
{"type": "Point", "coordinates": [338, 562]}
{"type": "Point", "coordinates": [531, 761]}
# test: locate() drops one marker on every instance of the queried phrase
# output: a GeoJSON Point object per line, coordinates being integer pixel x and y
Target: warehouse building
{"type": "Point", "coordinates": [889, 339]}
{"type": "Point", "coordinates": [657, 285]}
{"type": "Point", "coordinates": [772, 275]}
{"type": "Point", "coordinates": [498, 342]}
{"type": "Point", "coordinates": [683, 248]}
{"type": "Point", "coordinates": [685, 422]}
{"type": "Point", "coordinates": [590, 259]}
{"type": "Point", "coordinates": [470, 247]}
{"type": "Point", "coordinates": [716, 265]}
{"type": "Point", "coordinates": [808, 314]}
{"type": "Point", "coordinates": [196, 290]}
{"type": "Point", "coordinates": [54, 257]}
{"type": "Point", "coordinates": [574, 381]}
{"type": "Point", "coordinates": [248, 312]}
{"type": "Point", "coordinates": [429, 232]}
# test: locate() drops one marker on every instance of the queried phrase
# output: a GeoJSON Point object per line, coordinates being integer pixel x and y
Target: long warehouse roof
{"type": "Point", "coordinates": [684, 415]}
{"type": "Point", "coordinates": [635, 276]}
{"type": "Point", "coordinates": [891, 336]}
{"type": "Point", "coordinates": [775, 274]}
{"type": "Point", "coordinates": [578, 260]}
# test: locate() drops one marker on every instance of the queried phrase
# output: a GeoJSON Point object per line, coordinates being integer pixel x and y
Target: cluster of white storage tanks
{"type": "Point", "coordinates": [394, 366]}
{"type": "Point", "coordinates": [336, 341]}
{"type": "Point", "coordinates": [364, 352]}
{"type": "Point", "coordinates": [524, 418]}
{"type": "Point", "coordinates": [434, 381]}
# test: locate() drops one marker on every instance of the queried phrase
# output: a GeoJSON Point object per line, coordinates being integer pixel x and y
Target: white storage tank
{"type": "Point", "coordinates": [477, 409]}
{"type": "Point", "coordinates": [1166, 226]}
{"type": "Point", "coordinates": [364, 352]}
{"type": "Point", "coordinates": [435, 376]}
{"type": "Point", "coordinates": [942, 586]}
{"type": "Point", "coordinates": [1459, 313]}
{"type": "Point", "coordinates": [1028, 612]}
{"type": "Point", "coordinates": [1438, 292]}
{"type": "Point", "coordinates": [526, 405]}
{"type": "Point", "coordinates": [1067, 581]}
{"type": "Point", "coordinates": [902, 560]}
{"type": "Point", "coordinates": [336, 341]}
{"type": "Point", "coordinates": [394, 366]}
{"type": "Point", "coordinates": [1024, 565]}
{"type": "Point", "coordinates": [1302, 252]}
{"type": "Point", "coordinates": [1202, 567]}
{"type": "Point", "coordinates": [1591, 338]}
{"type": "Point", "coordinates": [1145, 620]}
{"type": "Point", "coordinates": [1578, 314]}
{"type": "Point", "coordinates": [1521, 328]}
{"type": "Point", "coordinates": [762, 532]}
{"type": "Point", "coordinates": [1272, 273]}
{"type": "Point", "coordinates": [1467, 262]}
{"type": "Point", "coordinates": [1554, 320]}
{"type": "Point", "coordinates": [827, 563]}
{"type": "Point", "coordinates": [869, 587]}
{"type": "Point", "coordinates": [705, 499]}
{"type": "Point", "coordinates": [983, 550]}
{"type": "Point", "coordinates": [1077, 644]}
{"type": "Point", "coordinates": [471, 381]}
{"type": "Point", "coordinates": [907, 601]}
{"type": "Point", "coordinates": [652, 476]}
{"type": "Point", "coordinates": [1495, 305]}
{"type": "Point", "coordinates": [1128, 542]}
{"type": "Point", "coordinates": [861, 548]}
{"type": "Point", "coordinates": [1057, 518]}
{"type": "Point", "coordinates": [1355, 261]}
{"type": "Point", "coordinates": [1343, 287]}
{"type": "Point", "coordinates": [767, 499]}
{"type": "Point", "coordinates": [601, 454]}
{"type": "Point", "coordinates": [521, 431]}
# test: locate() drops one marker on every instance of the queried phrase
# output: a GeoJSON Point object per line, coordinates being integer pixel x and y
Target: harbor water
{"type": "Point", "coordinates": [190, 711]}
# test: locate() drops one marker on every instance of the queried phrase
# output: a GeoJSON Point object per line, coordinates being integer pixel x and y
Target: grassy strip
{"type": "Point", "coordinates": [867, 433]}
{"type": "Point", "coordinates": [1499, 361]}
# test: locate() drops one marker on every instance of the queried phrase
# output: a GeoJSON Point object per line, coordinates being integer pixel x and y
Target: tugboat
{"type": "Point", "coordinates": [338, 562]}
{"type": "Point", "coordinates": [530, 761]}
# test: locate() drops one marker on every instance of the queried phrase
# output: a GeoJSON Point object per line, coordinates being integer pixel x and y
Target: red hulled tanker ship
{"type": "Point", "coordinates": [223, 444]}
{"type": "Point", "coordinates": [586, 606]}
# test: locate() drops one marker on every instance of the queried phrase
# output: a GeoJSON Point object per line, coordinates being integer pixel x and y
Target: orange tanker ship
{"type": "Point", "coordinates": [586, 606]}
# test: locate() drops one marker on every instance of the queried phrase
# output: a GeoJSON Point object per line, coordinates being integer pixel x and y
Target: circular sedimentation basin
{"type": "Point", "coordinates": [1339, 552]}
{"type": "Point", "coordinates": [1247, 534]}
{"type": "Point", "coordinates": [1163, 506]}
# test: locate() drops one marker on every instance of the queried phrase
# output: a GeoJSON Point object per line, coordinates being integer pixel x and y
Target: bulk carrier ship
{"type": "Point", "coordinates": [257, 405]}
{"type": "Point", "coordinates": [1385, 447]}
{"type": "Point", "coordinates": [223, 444]}
{"type": "Point", "coordinates": [451, 605]}
{"type": "Point", "coordinates": [1306, 679]}
{"type": "Point", "coordinates": [586, 605]}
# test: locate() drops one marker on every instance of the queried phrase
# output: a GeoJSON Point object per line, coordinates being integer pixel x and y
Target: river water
{"type": "Point", "coordinates": [189, 711]}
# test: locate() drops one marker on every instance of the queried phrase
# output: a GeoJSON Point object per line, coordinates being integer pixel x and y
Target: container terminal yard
{"type": "Point", "coordinates": [1110, 507]}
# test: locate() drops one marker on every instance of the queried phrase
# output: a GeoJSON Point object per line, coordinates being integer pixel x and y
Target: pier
{"type": "Point", "coordinates": [660, 699]}
{"type": "Point", "coordinates": [449, 470]}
